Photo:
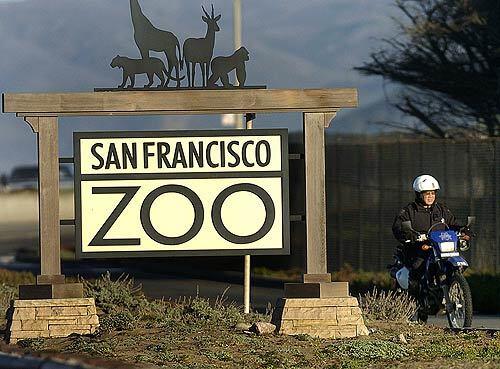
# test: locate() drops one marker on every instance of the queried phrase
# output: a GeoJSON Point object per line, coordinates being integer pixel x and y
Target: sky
{"type": "Point", "coordinates": [67, 45]}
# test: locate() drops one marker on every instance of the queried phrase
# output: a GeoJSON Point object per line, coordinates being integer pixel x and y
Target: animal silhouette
{"type": "Point", "coordinates": [132, 67]}
{"type": "Point", "coordinates": [149, 38]}
{"type": "Point", "coordinates": [222, 65]}
{"type": "Point", "coordinates": [200, 50]}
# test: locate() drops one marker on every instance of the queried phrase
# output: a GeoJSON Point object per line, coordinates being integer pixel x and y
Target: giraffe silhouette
{"type": "Point", "coordinates": [149, 38]}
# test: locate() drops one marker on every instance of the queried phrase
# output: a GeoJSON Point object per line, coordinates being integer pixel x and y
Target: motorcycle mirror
{"type": "Point", "coordinates": [470, 221]}
{"type": "Point", "coordinates": [406, 226]}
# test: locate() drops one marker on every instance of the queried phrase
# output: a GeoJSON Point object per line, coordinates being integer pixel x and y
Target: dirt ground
{"type": "Point", "coordinates": [202, 345]}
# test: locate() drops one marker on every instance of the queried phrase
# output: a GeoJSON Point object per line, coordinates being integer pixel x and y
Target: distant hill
{"type": "Point", "coordinates": [67, 45]}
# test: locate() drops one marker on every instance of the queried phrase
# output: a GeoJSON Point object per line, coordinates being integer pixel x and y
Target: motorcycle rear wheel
{"type": "Point", "coordinates": [461, 299]}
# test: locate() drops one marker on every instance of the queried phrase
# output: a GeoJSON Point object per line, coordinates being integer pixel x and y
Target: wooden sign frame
{"type": "Point", "coordinates": [41, 112]}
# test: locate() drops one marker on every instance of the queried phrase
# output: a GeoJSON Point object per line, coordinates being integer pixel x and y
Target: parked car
{"type": "Point", "coordinates": [26, 178]}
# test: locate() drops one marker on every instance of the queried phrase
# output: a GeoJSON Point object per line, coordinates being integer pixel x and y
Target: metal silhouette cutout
{"type": "Point", "coordinates": [200, 50]}
{"type": "Point", "coordinates": [147, 37]}
{"type": "Point", "coordinates": [151, 66]}
{"type": "Point", "coordinates": [195, 51]}
{"type": "Point", "coordinates": [223, 65]}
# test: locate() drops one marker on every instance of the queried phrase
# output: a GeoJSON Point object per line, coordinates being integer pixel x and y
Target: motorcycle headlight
{"type": "Point", "coordinates": [447, 246]}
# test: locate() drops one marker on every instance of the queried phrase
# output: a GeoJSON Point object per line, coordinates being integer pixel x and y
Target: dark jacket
{"type": "Point", "coordinates": [422, 219]}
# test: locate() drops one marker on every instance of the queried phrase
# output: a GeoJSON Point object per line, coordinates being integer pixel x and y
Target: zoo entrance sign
{"type": "Point", "coordinates": [181, 193]}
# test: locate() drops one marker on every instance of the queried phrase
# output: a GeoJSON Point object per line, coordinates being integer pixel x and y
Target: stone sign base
{"type": "Point", "coordinates": [51, 318]}
{"type": "Point", "coordinates": [331, 317]}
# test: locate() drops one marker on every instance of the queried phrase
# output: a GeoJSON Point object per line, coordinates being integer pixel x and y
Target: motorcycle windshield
{"type": "Point", "coordinates": [443, 236]}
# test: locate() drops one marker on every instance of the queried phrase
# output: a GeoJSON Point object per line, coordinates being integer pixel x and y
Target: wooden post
{"type": "Point", "coordinates": [48, 198]}
{"type": "Point", "coordinates": [314, 147]}
{"type": "Point", "coordinates": [317, 280]}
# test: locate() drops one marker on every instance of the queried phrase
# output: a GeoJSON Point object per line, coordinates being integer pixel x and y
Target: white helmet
{"type": "Point", "coordinates": [425, 183]}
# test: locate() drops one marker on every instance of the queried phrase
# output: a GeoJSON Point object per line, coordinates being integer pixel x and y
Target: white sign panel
{"type": "Point", "coordinates": [181, 193]}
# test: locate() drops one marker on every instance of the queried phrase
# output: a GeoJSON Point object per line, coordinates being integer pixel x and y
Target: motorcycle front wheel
{"type": "Point", "coordinates": [460, 298]}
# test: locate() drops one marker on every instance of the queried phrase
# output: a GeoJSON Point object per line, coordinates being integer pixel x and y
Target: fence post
{"type": "Point", "coordinates": [496, 198]}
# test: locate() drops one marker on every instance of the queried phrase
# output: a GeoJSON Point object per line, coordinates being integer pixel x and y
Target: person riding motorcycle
{"type": "Point", "coordinates": [423, 213]}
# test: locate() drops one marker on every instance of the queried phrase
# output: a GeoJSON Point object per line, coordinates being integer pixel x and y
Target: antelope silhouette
{"type": "Point", "coordinates": [149, 38]}
{"type": "Point", "coordinates": [200, 50]}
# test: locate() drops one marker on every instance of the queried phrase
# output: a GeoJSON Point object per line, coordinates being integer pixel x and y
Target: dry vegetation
{"type": "Point", "coordinates": [199, 333]}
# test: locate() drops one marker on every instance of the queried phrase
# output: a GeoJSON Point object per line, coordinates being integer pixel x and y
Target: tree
{"type": "Point", "coordinates": [447, 56]}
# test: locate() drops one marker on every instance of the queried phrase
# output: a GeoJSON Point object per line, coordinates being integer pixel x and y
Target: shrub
{"type": "Point", "coordinates": [7, 293]}
{"type": "Point", "coordinates": [382, 305]}
{"type": "Point", "coordinates": [200, 309]}
{"type": "Point", "coordinates": [91, 346]}
{"type": "Point", "coordinates": [125, 307]}
{"type": "Point", "coordinates": [118, 321]}
{"type": "Point", "coordinates": [485, 288]}
{"type": "Point", "coordinates": [13, 278]}
{"type": "Point", "coordinates": [361, 281]}
{"type": "Point", "coordinates": [114, 296]}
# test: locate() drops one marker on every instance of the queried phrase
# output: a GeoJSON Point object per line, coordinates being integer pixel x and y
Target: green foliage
{"type": "Point", "coordinates": [92, 346]}
{"type": "Point", "coordinates": [445, 53]}
{"type": "Point", "coordinates": [485, 288]}
{"type": "Point", "coordinates": [7, 293]}
{"type": "Point", "coordinates": [365, 349]}
{"type": "Point", "coordinates": [201, 310]}
{"type": "Point", "coordinates": [125, 307]}
{"type": "Point", "coordinates": [118, 321]}
{"type": "Point", "coordinates": [13, 278]}
{"type": "Point", "coordinates": [159, 354]}
{"type": "Point", "coordinates": [361, 281]}
{"type": "Point", "coordinates": [9, 286]}
{"type": "Point", "coordinates": [115, 295]}
{"type": "Point", "coordinates": [32, 343]}
{"type": "Point", "coordinates": [392, 306]}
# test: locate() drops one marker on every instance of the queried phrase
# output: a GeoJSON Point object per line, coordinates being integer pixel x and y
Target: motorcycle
{"type": "Point", "coordinates": [442, 285]}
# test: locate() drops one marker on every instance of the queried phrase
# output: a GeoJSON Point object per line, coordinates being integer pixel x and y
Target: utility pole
{"type": "Point", "coordinates": [237, 44]}
{"type": "Point", "coordinates": [239, 124]}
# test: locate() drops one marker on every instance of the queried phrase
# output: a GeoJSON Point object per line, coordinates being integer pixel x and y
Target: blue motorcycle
{"type": "Point", "coordinates": [442, 286]}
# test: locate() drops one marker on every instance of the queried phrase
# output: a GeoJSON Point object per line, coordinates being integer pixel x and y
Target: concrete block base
{"type": "Point", "coordinates": [51, 318]}
{"type": "Point", "coordinates": [51, 291]}
{"type": "Point", "coordinates": [334, 317]}
{"type": "Point", "coordinates": [316, 290]}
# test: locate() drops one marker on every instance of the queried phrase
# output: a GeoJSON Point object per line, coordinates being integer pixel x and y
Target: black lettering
{"type": "Point", "coordinates": [94, 152]}
{"type": "Point", "coordinates": [147, 154]}
{"type": "Point", "coordinates": [233, 154]}
{"type": "Point", "coordinates": [209, 157]}
{"type": "Point", "coordinates": [222, 154]}
{"type": "Point", "coordinates": [198, 154]}
{"type": "Point", "coordinates": [112, 158]}
{"type": "Point", "coordinates": [99, 239]}
{"type": "Point", "coordinates": [217, 213]}
{"type": "Point", "coordinates": [244, 154]}
{"type": "Point", "coordinates": [163, 150]}
{"type": "Point", "coordinates": [179, 157]}
{"type": "Point", "coordinates": [267, 147]}
{"type": "Point", "coordinates": [146, 215]}
{"type": "Point", "coordinates": [129, 157]}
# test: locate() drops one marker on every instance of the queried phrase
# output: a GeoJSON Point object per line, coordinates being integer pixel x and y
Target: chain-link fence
{"type": "Point", "coordinates": [368, 181]}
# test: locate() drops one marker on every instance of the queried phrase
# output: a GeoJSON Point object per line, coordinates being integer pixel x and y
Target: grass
{"type": "Point", "coordinates": [194, 332]}
{"type": "Point", "coordinates": [198, 333]}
